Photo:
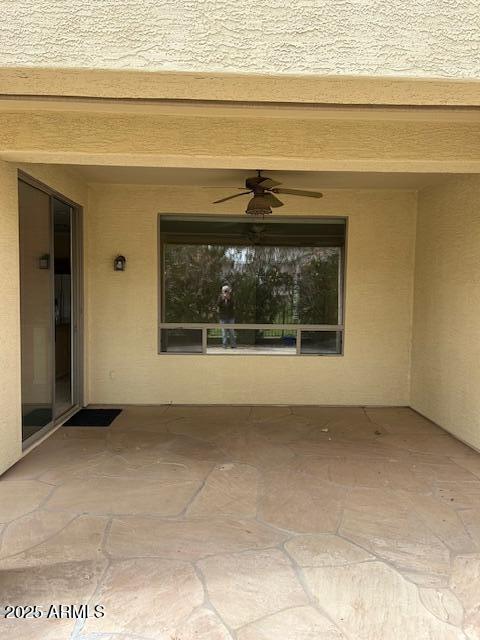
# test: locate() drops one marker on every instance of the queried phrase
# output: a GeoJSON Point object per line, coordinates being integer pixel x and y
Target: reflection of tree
{"type": "Point", "coordinates": [193, 279]}
{"type": "Point", "coordinates": [318, 289]}
{"type": "Point", "coordinates": [270, 284]}
{"type": "Point", "coordinates": [261, 285]}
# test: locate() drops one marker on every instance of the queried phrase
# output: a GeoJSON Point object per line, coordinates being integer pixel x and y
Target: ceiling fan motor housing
{"type": "Point", "coordinates": [253, 183]}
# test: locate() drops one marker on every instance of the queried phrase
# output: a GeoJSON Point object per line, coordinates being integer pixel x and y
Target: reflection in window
{"type": "Point", "coordinates": [182, 340]}
{"type": "Point", "coordinates": [321, 342]}
{"type": "Point", "coordinates": [270, 285]}
{"type": "Point", "coordinates": [228, 271]}
{"type": "Point", "coordinates": [267, 341]}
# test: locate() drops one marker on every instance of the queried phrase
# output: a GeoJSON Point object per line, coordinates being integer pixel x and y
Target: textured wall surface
{"type": "Point", "coordinates": [364, 37]}
{"type": "Point", "coordinates": [123, 362]}
{"type": "Point", "coordinates": [10, 409]}
{"type": "Point", "coordinates": [218, 138]}
{"type": "Point", "coordinates": [446, 330]}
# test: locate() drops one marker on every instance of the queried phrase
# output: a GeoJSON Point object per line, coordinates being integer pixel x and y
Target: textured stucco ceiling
{"type": "Point", "coordinates": [426, 38]}
{"type": "Point", "coordinates": [234, 178]}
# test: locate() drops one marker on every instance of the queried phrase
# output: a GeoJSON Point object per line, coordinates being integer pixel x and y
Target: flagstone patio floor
{"type": "Point", "coordinates": [245, 523]}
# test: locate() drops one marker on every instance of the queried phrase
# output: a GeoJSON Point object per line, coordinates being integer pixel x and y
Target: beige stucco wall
{"type": "Point", "coordinates": [394, 38]}
{"type": "Point", "coordinates": [65, 180]}
{"type": "Point", "coordinates": [240, 137]}
{"type": "Point", "coordinates": [446, 331]}
{"type": "Point", "coordinates": [58, 83]}
{"type": "Point", "coordinates": [10, 409]}
{"type": "Point", "coordinates": [124, 366]}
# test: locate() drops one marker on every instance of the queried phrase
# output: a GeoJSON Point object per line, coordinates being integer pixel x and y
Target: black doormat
{"type": "Point", "coordinates": [93, 418]}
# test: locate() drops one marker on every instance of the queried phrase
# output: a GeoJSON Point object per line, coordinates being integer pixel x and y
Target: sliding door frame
{"type": "Point", "coordinates": [77, 330]}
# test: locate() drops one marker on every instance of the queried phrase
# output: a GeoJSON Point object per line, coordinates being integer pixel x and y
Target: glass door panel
{"type": "Point", "coordinates": [36, 321]}
{"type": "Point", "coordinates": [62, 242]}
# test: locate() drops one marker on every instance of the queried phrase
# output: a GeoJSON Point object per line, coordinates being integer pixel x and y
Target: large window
{"type": "Point", "coordinates": [238, 286]}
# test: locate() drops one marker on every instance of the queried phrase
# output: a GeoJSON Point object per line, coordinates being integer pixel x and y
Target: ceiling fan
{"type": "Point", "coordinates": [263, 189]}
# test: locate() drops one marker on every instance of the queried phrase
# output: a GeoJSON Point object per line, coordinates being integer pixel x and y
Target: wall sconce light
{"type": "Point", "coordinates": [44, 261]}
{"type": "Point", "coordinates": [119, 263]}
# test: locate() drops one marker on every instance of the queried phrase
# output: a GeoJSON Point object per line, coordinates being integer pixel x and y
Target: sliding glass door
{"type": "Point", "coordinates": [35, 309]}
{"type": "Point", "coordinates": [48, 308]}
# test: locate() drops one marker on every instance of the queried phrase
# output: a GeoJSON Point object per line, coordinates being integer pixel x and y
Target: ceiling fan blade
{"type": "Point", "coordinates": [272, 200]}
{"type": "Point", "coordinates": [230, 197]}
{"type": "Point", "coordinates": [268, 183]}
{"type": "Point", "coordinates": [298, 192]}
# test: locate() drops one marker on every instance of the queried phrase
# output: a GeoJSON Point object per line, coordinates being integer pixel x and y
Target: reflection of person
{"type": "Point", "coordinates": [226, 314]}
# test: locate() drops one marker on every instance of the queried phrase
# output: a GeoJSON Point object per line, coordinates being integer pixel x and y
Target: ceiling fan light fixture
{"type": "Point", "coordinates": [264, 198]}
{"type": "Point", "coordinates": [258, 206]}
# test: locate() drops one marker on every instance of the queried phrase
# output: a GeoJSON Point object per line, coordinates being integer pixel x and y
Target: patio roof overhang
{"type": "Point", "coordinates": [236, 87]}
{"type": "Point", "coordinates": [190, 120]}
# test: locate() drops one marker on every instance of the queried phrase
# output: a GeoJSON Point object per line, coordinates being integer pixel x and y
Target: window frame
{"type": "Point", "coordinates": [342, 276]}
